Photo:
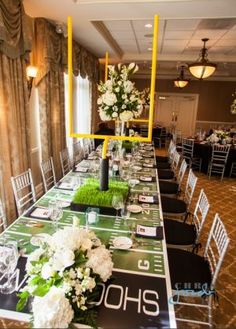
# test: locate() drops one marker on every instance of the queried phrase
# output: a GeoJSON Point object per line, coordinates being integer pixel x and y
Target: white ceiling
{"type": "Point", "coordinates": [119, 28]}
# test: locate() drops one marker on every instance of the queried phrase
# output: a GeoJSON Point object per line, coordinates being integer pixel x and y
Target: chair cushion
{"type": "Point", "coordinates": [165, 174]}
{"type": "Point", "coordinates": [163, 165]}
{"type": "Point", "coordinates": [173, 205]}
{"type": "Point", "coordinates": [188, 270]}
{"type": "Point", "coordinates": [161, 159]}
{"type": "Point", "coordinates": [168, 187]}
{"type": "Point", "coordinates": [179, 233]}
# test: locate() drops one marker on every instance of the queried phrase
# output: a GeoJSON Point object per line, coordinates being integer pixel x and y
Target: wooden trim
{"type": "Point", "coordinates": [101, 28]}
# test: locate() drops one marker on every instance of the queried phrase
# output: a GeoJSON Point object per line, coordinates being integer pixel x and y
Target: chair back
{"type": "Point", "coordinates": [175, 162]}
{"type": "Point", "coordinates": [3, 220]}
{"type": "Point", "coordinates": [187, 148]}
{"type": "Point", "coordinates": [220, 154]}
{"type": "Point", "coordinates": [144, 131]}
{"type": "Point", "coordinates": [48, 174]}
{"type": "Point", "coordinates": [200, 212]}
{"type": "Point", "coordinates": [216, 247]}
{"type": "Point", "coordinates": [181, 172]}
{"type": "Point", "coordinates": [190, 187]}
{"type": "Point", "coordinates": [78, 153]}
{"type": "Point", "coordinates": [24, 192]}
{"type": "Point", "coordinates": [86, 146]}
{"type": "Point", "coordinates": [65, 161]}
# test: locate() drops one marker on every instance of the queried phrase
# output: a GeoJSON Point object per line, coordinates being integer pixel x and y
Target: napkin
{"type": "Point", "coordinates": [154, 232]}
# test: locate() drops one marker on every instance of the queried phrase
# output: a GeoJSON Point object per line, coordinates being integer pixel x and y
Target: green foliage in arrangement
{"type": "Point", "coordinates": [90, 193]}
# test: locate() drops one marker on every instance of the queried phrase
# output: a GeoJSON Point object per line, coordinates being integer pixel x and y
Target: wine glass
{"type": "Point", "coordinates": [117, 203]}
{"type": "Point", "coordinates": [9, 276]}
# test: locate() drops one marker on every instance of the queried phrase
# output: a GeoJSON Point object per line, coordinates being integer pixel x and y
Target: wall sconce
{"type": "Point", "coordinates": [181, 82]}
{"type": "Point", "coordinates": [202, 68]}
{"type": "Point", "coordinates": [31, 73]}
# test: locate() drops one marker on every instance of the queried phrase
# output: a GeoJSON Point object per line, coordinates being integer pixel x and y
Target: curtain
{"type": "Point", "coordinates": [50, 55]}
{"type": "Point", "coordinates": [14, 126]}
{"type": "Point", "coordinates": [15, 29]}
{"type": "Point", "coordinates": [15, 44]}
{"type": "Point", "coordinates": [52, 117]}
{"type": "Point", "coordinates": [50, 82]}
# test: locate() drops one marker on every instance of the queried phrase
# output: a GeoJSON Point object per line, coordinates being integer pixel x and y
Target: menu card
{"type": "Point", "coordinates": [146, 198]}
{"type": "Point", "coordinates": [41, 213]}
{"type": "Point", "coordinates": [148, 165]}
{"type": "Point", "coordinates": [146, 178]}
{"type": "Point", "coordinates": [81, 169]}
{"type": "Point", "coordinates": [149, 232]}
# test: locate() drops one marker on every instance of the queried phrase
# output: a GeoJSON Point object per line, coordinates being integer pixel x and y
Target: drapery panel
{"type": "Point", "coordinates": [52, 117]}
{"type": "Point", "coordinates": [14, 126]}
{"type": "Point", "coordinates": [15, 29]}
{"type": "Point", "coordinates": [50, 57]}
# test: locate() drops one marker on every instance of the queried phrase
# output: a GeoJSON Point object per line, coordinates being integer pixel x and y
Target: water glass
{"type": "Point", "coordinates": [56, 212]}
{"type": "Point", "coordinates": [117, 203]}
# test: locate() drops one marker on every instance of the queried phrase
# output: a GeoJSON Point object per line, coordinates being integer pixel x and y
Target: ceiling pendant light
{"type": "Point", "coordinates": [181, 82]}
{"type": "Point", "coordinates": [202, 68]}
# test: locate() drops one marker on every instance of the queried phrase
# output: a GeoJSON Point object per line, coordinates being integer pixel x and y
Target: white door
{"type": "Point", "coordinates": [177, 112]}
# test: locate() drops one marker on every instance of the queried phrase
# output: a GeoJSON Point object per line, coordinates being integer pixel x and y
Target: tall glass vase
{"type": "Point", "coordinates": [119, 128]}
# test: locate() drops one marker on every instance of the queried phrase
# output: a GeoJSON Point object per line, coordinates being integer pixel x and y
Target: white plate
{"type": "Point", "coordinates": [38, 239]}
{"type": "Point", "coordinates": [122, 242]}
{"type": "Point", "coordinates": [134, 208]}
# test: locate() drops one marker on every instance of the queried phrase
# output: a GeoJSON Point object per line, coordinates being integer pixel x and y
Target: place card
{"type": "Point", "coordinates": [41, 213]}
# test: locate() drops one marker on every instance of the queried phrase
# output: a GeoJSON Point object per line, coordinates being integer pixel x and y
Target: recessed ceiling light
{"type": "Point", "coordinates": [148, 25]}
{"type": "Point", "coordinates": [161, 97]}
{"type": "Point", "coordinates": [150, 49]}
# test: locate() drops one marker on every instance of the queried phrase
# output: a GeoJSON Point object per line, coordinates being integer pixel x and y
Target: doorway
{"type": "Point", "coordinates": [177, 112]}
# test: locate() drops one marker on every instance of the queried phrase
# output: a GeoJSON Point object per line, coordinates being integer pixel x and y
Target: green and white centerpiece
{"type": "Point", "coordinates": [119, 99]}
{"type": "Point", "coordinates": [64, 273]}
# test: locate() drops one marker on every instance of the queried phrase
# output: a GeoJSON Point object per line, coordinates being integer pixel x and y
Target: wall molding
{"type": "Point", "coordinates": [217, 122]}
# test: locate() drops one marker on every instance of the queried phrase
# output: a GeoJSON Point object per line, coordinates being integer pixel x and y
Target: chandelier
{"type": "Point", "coordinates": [202, 68]}
{"type": "Point", "coordinates": [181, 82]}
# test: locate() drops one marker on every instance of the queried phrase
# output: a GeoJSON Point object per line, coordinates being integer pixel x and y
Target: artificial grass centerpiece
{"type": "Point", "coordinates": [90, 195]}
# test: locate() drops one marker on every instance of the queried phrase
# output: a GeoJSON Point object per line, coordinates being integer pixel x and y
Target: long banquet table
{"type": "Point", "coordinates": [139, 295]}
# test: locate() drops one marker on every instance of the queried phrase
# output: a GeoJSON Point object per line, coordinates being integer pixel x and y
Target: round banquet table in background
{"type": "Point", "coordinates": [204, 152]}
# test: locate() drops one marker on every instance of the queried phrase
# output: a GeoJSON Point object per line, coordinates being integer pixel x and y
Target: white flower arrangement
{"type": "Point", "coordinates": [119, 99]}
{"type": "Point", "coordinates": [219, 136]}
{"type": "Point", "coordinates": [63, 276]}
{"type": "Point", "coordinates": [145, 96]}
{"type": "Point", "coordinates": [233, 105]}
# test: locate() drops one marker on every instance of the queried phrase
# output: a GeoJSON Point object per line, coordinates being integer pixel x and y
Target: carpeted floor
{"type": "Point", "coordinates": [222, 199]}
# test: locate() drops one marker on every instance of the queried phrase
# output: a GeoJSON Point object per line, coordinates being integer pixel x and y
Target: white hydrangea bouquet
{"type": "Point", "coordinates": [119, 99]}
{"type": "Point", "coordinates": [64, 273]}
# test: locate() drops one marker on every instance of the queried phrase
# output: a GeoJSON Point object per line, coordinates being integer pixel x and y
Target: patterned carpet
{"type": "Point", "coordinates": [222, 198]}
